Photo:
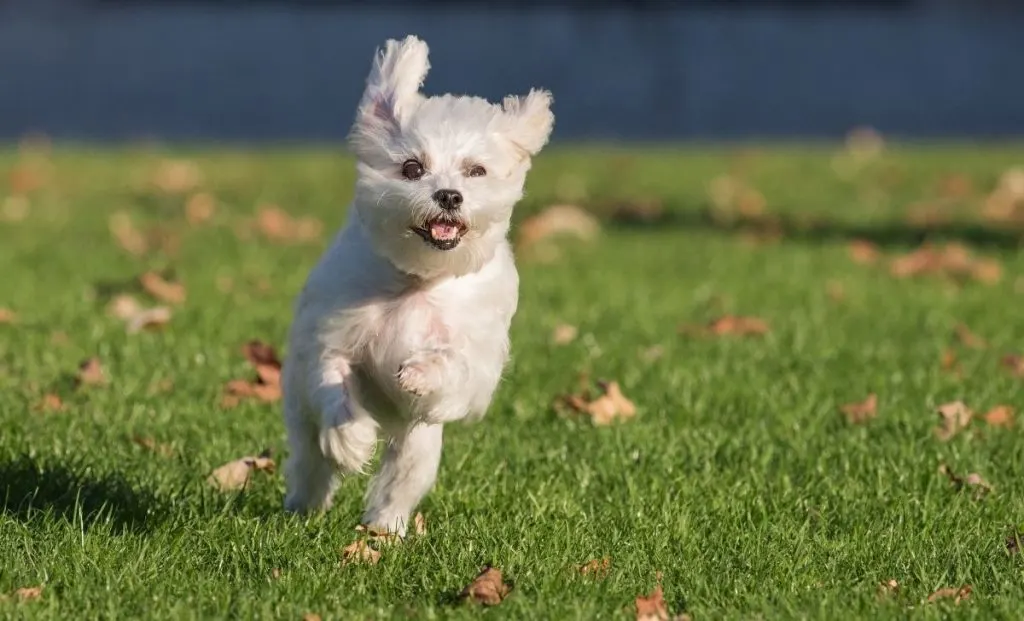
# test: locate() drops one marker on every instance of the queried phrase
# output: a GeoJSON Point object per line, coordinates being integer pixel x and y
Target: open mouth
{"type": "Point", "coordinates": [441, 233]}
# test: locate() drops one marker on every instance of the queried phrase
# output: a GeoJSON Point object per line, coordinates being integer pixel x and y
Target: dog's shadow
{"type": "Point", "coordinates": [30, 491]}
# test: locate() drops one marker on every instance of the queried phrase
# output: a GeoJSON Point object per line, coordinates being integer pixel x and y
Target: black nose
{"type": "Point", "coordinates": [448, 199]}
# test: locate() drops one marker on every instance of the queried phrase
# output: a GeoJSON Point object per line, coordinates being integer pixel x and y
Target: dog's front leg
{"type": "Point", "coordinates": [338, 437]}
{"type": "Point", "coordinates": [408, 470]}
{"type": "Point", "coordinates": [429, 370]}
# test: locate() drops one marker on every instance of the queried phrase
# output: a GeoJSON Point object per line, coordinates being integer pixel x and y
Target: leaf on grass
{"type": "Point", "coordinates": [162, 289]}
{"type": "Point", "coordinates": [555, 222]}
{"type": "Point", "coordinates": [1014, 364]}
{"type": "Point", "coordinates": [177, 176]}
{"type": "Point", "coordinates": [955, 417]}
{"type": "Point", "coordinates": [563, 334]}
{"type": "Point", "coordinates": [199, 208]}
{"type": "Point", "coordinates": [7, 316]}
{"type": "Point", "coordinates": [888, 588]}
{"type": "Point", "coordinates": [488, 588]}
{"type": "Point", "coordinates": [968, 338]}
{"type": "Point", "coordinates": [596, 568]}
{"type": "Point", "coordinates": [131, 239]}
{"type": "Point", "coordinates": [973, 482]}
{"type": "Point", "coordinates": [1000, 416]}
{"type": "Point", "coordinates": [1006, 202]}
{"type": "Point", "coordinates": [267, 384]}
{"type": "Point", "coordinates": [952, 260]}
{"type": "Point", "coordinates": [50, 403]}
{"type": "Point", "coordinates": [359, 552]}
{"type": "Point", "coordinates": [653, 607]}
{"type": "Point", "coordinates": [135, 316]}
{"type": "Point", "coordinates": [149, 444]}
{"type": "Point", "coordinates": [90, 373]}
{"type": "Point", "coordinates": [605, 409]}
{"type": "Point", "coordinates": [863, 251]}
{"type": "Point", "coordinates": [419, 524]}
{"type": "Point", "coordinates": [950, 593]}
{"type": "Point", "coordinates": [1013, 542]}
{"type": "Point", "coordinates": [949, 362]}
{"type": "Point", "coordinates": [277, 225]}
{"type": "Point", "coordinates": [236, 474]}
{"type": "Point", "coordinates": [26, 594]}
{"type": "Point", "coordinates": [741, 326]}
{"type": "Point", "coordinates": [310, 616]}
{"type": "Point", "coordinates": [863, 411]}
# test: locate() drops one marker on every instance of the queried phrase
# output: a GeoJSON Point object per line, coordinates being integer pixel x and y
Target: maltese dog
{"type": "Point", "coordinates": [403, 324]}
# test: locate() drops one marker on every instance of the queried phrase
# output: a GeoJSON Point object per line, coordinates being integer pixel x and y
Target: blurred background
{"type": "Point", "coordinates": [292, 70]}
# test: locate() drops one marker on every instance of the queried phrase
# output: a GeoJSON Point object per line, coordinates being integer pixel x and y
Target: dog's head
{"type": "Point", "coordinates": [438, 176]}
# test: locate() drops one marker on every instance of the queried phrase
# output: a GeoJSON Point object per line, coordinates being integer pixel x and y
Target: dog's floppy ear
{"type": "Point", "coordinates": [529, 120]}
{"type": "Point", "coordinates": [392, 88]}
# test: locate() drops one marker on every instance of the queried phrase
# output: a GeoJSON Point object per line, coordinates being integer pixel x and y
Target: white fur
{"type": "Point", "coordinates": [392, 336]}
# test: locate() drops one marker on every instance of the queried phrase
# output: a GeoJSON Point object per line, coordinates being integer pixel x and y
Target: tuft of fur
{"type": "Point", "coordinates": [395, 335]}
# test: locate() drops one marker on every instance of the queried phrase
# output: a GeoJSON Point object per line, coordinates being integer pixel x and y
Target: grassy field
{"type": "Point", "coordinates": [739, 481]}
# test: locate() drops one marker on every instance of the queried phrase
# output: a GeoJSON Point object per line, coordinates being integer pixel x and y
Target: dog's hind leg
{"type": "Point", "coordinates": [408, 471]}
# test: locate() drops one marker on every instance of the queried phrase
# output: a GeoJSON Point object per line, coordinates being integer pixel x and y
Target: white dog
{"type": "Point", "coordinates": [403, 324]}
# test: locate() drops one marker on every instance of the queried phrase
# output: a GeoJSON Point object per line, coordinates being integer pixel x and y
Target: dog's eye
{"type": "Point", "coordinates": [412, 170]}
{"type": "Point", "coordinates": [477, 171]}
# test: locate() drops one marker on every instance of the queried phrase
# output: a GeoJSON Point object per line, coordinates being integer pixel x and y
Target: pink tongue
{"type": "Point", "coordinates": [443, 230]}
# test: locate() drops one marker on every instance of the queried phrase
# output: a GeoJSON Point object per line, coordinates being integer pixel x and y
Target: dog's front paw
{"type": "Point", "coordinates": [422, 374]}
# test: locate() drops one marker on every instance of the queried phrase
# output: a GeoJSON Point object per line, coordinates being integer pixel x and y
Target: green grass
{"type": "Point", "coordinates": [738, 480]}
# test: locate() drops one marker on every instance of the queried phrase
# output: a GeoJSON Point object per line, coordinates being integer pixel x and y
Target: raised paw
{"type": "Point", "coordinates": [422, 374]}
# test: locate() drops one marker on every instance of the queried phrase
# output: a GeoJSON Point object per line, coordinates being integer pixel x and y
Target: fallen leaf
{"type": "Point", "coordinates": [177, 176]}
{"type": "Point", "coordinates": [161, 289]}
{"type": "Point", "coordinates": [1000, 416]}
{"type": "Point", "coordinates": [267, 385]}
{"type": "Point", "coordinates": [28, 594]}
{"type": "Point", "coordinates": [563, 334]}
{"type": "Point", "coordinates": [200, 208]}
{"type": "Point", "coordinates": [1014, 364]}
{"type": "Point", "coordinates": [90, 373]}
{"type": "Point", "coordinates": [653, 608]}
{"type": "Point", "coordinates": [606, 408]}
{"type": "Point", "coordinates": [957, 595]}
{"type": "Point", "coordinates": [952, 260]}
{"type": "Point", "coordinates": [555, 221]}
{"type": "Point", "coordinates": [8, 316]}
{"type": "Point", "coordinates": [949, 362]}
{"type": "Point", "coordinates": [310, 616]}
{"type": "Point", "coordinates": [275, 573]}
{"type": "Point", "coordinates": [127, 236]}
{"type": "Point", "coordinates": [278, 225]}
{"type": "Point", "coordinates": [164, 450]}
{"type": "Point", "coordinates": [50, 403]}
{"type": "Point", "coordinates": [596, 568]}
{"type": "Point", "coordinates": [968, 338]}
{"type": "Point", "coordinates": [955, 417]}
{"type": "Point", "coordinates": [149, 319]}
{"type": "Point", "coordinates": [740, 326]}
{"type": "Point", "coordinates": [864, 252]}
{"type": "Point", "coordinates": [1013, 542]}
{"type": "Point", "coordinates": [488, 588]}
{"type": "Point", "coordinates": [888, 588]}
{"type": "Point", "coordinates": [973, 482]}
{"type": "Point", "coordinates": [863, 411]}
{"type": "Point", "coordinates": [419, 524]}
{"type": "Point", "coordinates": [359, 552]}
{"type": "Point", "coordinates": [236, 474]}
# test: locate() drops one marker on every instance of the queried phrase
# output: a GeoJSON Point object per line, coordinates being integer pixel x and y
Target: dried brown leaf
{"type": "Point", "coordinates": [1000, 416]}
{"type": "Point", "coordinates": [162, 289]}
{"type": "Point", "coordinates": [740, 326]}
{"type": "Point", "coordinates": [888, 588]}
{"type": "Point", "coordinates": [28, 594]}
{"type": "Point", "coordinates": [149, 319]}
{"type": "Point", "coordinates": [50, 403]}
{"type": "Point", "coordinates": [359, 551]}
{"type": "Point", "coordinates": [131, 239]}
{"type": "Point", "coordinates": [236, 474]}
{"type": "Point", "coordinates": [653, 608]}
{"type": "Point", "coordinates": [972, 482]}
{"type": "Point", "coordinates": [419, 524]}
{"type": "Point", "coordinates": [177, 176]}
{"type": "Point", "coordinates": [149, 444]}
{"type": "Point", "coordinates": [277, 225]}
{"type": "Point", "coordinates": [7, 316]}
{"type": "Point", "coordinates": [90, 373]}
{"type": "Point", "coordinates": [200, 208]}
{"type": "Point", "coordinates": [968, 338]}
{"type": "Point", "coordinates": [596, 568]}
{"type": "Point", "coordinates": [1013, 542]}
{"type": "Point", "coordinates": [607, 408]}
{"type": "Point", "coordinates": [864, 252]}
{"type": "Point", "coordinates": [556, 221]}
{"type": "Point", "coordinates": [957, 595]}
{"type": "Point", "coordinates": [955, 417]}
{"type": "Point", "coordinates": [949, 362]}
{"type": "Point", "coordinates": [862, 411]}
{"type": "Point", "coordinates": [267, 385]}
{"type": "Point", "coordinates": [1014, 364]}
{"type": "Point", "coordinates": [563, 334]}
{"type": "Point", "coordinates": [488, 588]}
{"type": "Point", "coordinates": [310, 616]}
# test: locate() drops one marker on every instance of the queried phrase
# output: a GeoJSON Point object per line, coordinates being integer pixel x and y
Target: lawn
{"type": "Point", "coordinates": [739, 483]}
